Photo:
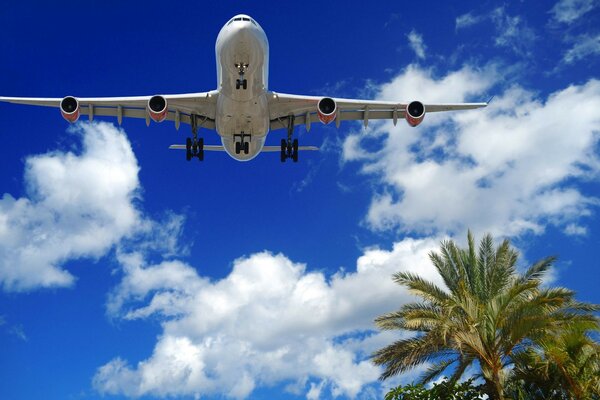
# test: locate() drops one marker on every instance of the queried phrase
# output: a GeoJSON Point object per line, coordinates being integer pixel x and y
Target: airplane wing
{"type": "Point", "coordinates": [179, 107]}
{"type": "Point", "coordinates": [304, 109]}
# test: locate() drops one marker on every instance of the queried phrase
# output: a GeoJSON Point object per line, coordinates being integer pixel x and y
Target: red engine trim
{"type": "Point", "coordinates": [327, 110]}
{"type": "Point", "coordinates": [414, 113]}
{"type": "Point", "coordinates": [161, 115]}
{"type": "Point", "coordinates": [66, 105]}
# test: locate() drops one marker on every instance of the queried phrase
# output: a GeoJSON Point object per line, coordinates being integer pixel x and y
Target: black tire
{"type": "Point", "coordinates": [188, 149]}
{"type": "Point", "coordinates": [283, 148]}
{"type": "Point", "coordinates": [295, 150]}
{"type": "Point", "coordinates": [246, 148]}
{"type": "Point", "coordinates": [238, 148]}
{"type": "Point", "coordinates": [237, 84]}
{"type": "Point", "coordinates": [201, 149]}
{"type": "Point", "coordinates": [245, 84]}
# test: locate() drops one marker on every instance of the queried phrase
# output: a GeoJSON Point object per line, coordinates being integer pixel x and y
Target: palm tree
{"type": "Point", "coordinates": [485, 315]}
{"type": "Point", "coordinates": [562, 366]}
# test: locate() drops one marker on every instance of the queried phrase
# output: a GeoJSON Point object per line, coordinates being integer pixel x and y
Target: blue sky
{"type": "Point", "coordinates": [126, 271]}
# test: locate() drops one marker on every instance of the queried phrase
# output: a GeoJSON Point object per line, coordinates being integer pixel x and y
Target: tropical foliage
{"type": "Point", "coordinates": [446, 389]}
{"type": "Point", "coordinates": [564, 366]}
{"type": "Point", "coordinates": [488, 316]}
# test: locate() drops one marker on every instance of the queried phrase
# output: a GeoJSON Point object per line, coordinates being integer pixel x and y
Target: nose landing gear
{"type": "Point", "coordinates": [241, 82]}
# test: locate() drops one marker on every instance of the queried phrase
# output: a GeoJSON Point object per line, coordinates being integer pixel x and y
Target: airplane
{"type": "Point", "coordinates": [242, 110]}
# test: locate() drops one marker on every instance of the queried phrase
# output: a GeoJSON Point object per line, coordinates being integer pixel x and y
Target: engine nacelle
{"type": "Point", "coordinates": [69, 109]}
{"type": "Point", "coordinates": [415, 112]}
{"type": "Point", "coordinates": [157, 108]}
{"type": "Point", "coordinates": [327, 110]}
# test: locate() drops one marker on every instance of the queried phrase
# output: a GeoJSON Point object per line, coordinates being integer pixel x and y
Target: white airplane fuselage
{"type": "Point", "coordinates": [242, 110]}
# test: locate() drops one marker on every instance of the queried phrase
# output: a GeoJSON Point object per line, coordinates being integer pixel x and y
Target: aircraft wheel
{"type": "Point", "coordinates": [237, 83]}
{"type": "Point", "coordinates": [246, 148]}
{"type": "Point", "coordinates": [283, 148]}
{"type": "Point", "coordinates": [238, 148]}
{"type": "Point", "coordinates": [245, 84]}
{"type": "Point", "coordinates": [188, 149]}
{"type": "Point", "coordinates": [201, 149]}
{"type": "Point", "coordinates": [295, 150]}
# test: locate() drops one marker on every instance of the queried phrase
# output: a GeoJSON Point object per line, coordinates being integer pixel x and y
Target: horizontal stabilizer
{"type": "Point", "coordinates": [207, 147]}
{"type": "Point", "coordinates": [266, 149]}
{"type": "Point", "coordinates": [273, 149]}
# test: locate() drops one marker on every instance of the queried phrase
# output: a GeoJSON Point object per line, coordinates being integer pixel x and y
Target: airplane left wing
{"type": "Point", "coordinates": [178, 108]}
{"type": "Point", "coordinates": [306, 110]}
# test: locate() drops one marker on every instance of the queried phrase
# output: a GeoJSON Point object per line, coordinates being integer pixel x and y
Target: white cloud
{"type": "Point", "coordinates": [269, 321]}
{"type": "Point", "coordinates": [567, 11]}
{"type": "Point", "coordinates": [503, 169]}
{"type": "Point", "coordinates": [576, 230]}
{"type": "Point", "coordinates": [468, 19]}
{"type": "Point", "coordinates": [78, 204]}
{"type": "Point", "coordinates": [513, 32]}
{"type": "Point", "coordinates": [584, 46]}
{"type": "Point", "coordinates": [18, 331]}
{"type": "Point", "coordinates": [415, 40]}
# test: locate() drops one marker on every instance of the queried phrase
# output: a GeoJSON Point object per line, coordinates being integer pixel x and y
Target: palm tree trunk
{"type": "Point", "coordinates": [494, 387]}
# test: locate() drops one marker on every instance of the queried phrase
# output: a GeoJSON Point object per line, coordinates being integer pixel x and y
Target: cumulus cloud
{"type": "Point", "coordinates": [568, 11]}
{"type": "Point", "coordinates": [415, 40]}
{"type": "Point", "coordinates": [77, 204]}
{"type": "Point", "coordinates": [507, 169]}
{"type": "Point", "coordinates": [269, 321]}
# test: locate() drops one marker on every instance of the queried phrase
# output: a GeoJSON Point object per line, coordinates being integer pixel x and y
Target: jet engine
{"type": "Point", "coordinates": [157, 108]}
{"type": "Point", "coordinates": [69, 109]}
{"type": "Point", "coordinates": [415, 112]}
{"type": "Point", "coordinates": [327, 110]}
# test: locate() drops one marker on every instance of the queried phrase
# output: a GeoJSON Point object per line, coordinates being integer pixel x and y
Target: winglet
{"type": "Point", "coordinates": [490, 100]}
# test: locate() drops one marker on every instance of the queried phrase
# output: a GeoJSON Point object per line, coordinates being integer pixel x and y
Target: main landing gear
{"type": "Point", "coordinates": [194, 146]}
{"type": "Point", "coordinates": [242, 145]}
{"type": "Point", "coordinates": [241, 82]}
{"type": "Point", "coordinates": [289, 147]}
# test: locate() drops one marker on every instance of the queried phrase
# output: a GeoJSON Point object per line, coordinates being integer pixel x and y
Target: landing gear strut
{"type": "Point", "coordinates": [242, 145]}
{"type": "Point", "coordinates": [241, 82]}
{"type": "Point", "coordinates": [194, 146]}
{"type": "Point", "coordinates": [289, 147]}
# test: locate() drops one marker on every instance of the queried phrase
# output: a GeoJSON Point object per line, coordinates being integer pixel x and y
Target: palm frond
{"type": "Point", "coordinates": [446, 271]}
{"type": "Point", "coordinates": [421, 287]}
{"type": "Point", "coordinates": [435, 370]}
{"type": "Point", "coordinates": [537, 270]}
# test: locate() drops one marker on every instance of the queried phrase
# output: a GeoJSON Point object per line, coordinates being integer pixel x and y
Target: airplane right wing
{"type": "Point", "coordinates": [306, 110]}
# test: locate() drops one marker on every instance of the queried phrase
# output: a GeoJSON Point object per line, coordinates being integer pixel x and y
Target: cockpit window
{"type": "Point", "coordinates": [242, 19]}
